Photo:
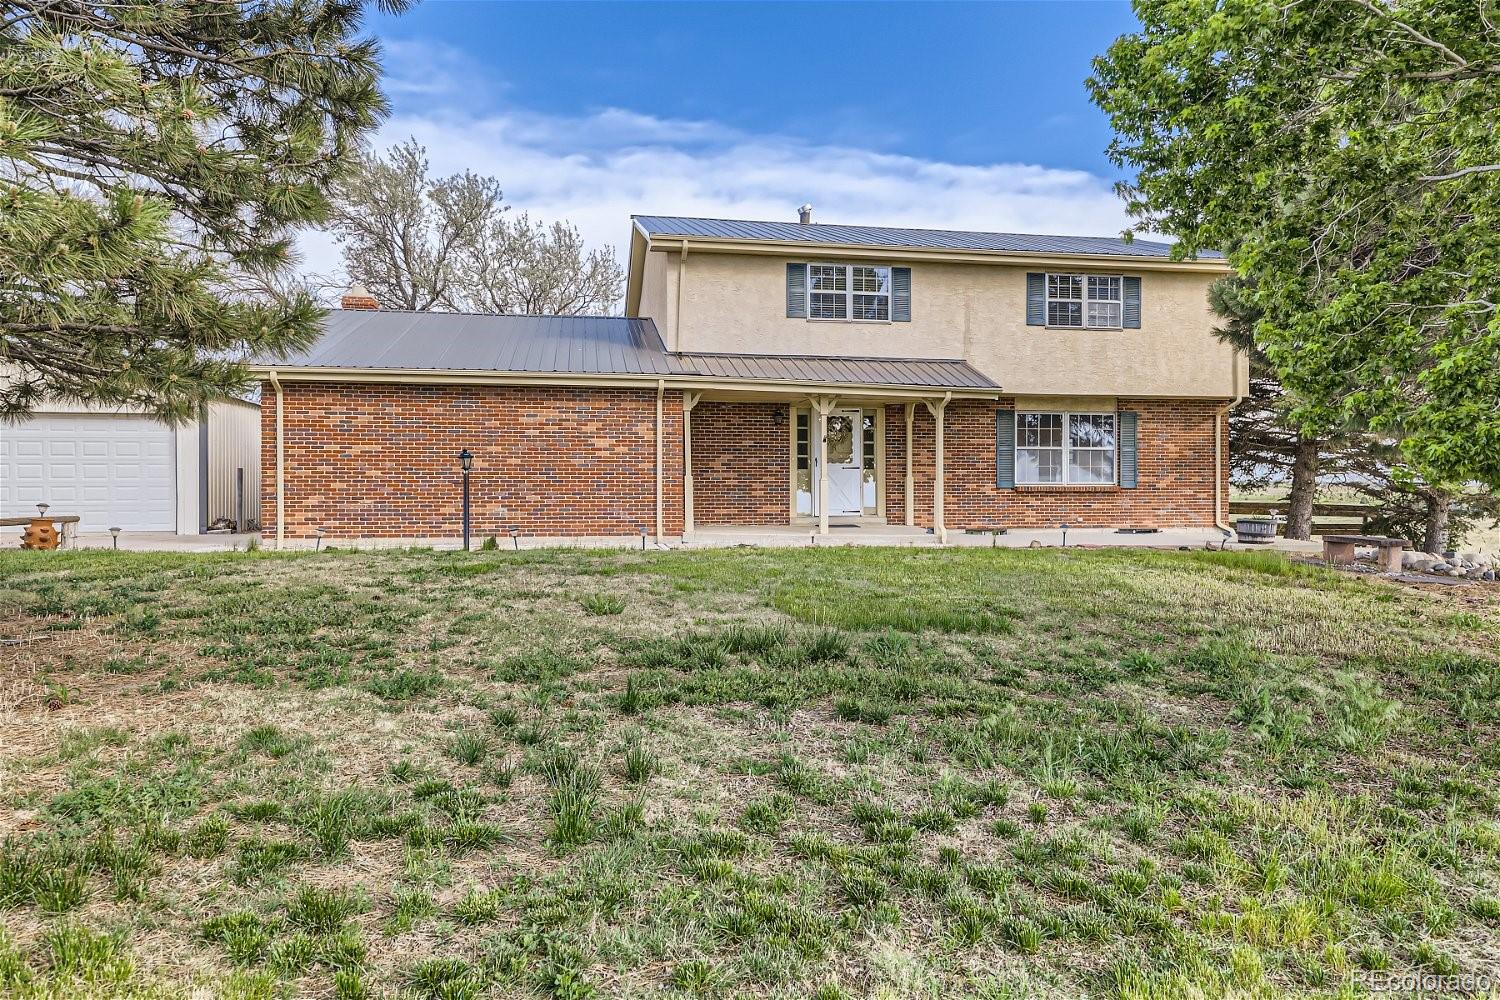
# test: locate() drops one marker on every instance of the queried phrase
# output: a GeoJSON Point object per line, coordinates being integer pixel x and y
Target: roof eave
{"type": "Point", "coordinates": [295, 373]}
{"type": "Point", "coordinates": [783, 248]}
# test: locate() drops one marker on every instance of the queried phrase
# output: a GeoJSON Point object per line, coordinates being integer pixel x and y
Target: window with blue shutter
{"type": "Point", "coordinates": [901, 294]}
{"type": "Point", "coordinates": [1036, 298]}
{"type": "Point", "coordinates": [1132, 312]}
{"type": "Point", "coordinates": [1129, 466]}
{"type": "Point", "coordinates": [1005, 449]}
{"type": "Point", "coordinates": [796, 291]}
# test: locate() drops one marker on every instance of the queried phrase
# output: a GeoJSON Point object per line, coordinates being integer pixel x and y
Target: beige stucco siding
{"type": "Point", "coordinates": [737, 302]}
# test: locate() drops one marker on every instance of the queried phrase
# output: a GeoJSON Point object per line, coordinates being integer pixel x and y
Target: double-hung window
{"type": "Point", "coordinates": [1065, 449]}
{"type": "Point", "coordinates": [1090, 301]}
{"type": "Point", "coordinates": [848, 291]}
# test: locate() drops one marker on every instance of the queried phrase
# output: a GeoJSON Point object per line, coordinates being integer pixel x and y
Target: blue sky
{"type": "Point", "coordinates": [961, 115]}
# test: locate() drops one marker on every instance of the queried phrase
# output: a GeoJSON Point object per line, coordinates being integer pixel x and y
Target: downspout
{"type": "Point", "coordinates": [1220, 415]}
{"type": "Point", "coordinates": [661, 390]}
{"type": "Point", "coordinates": [280, 463]}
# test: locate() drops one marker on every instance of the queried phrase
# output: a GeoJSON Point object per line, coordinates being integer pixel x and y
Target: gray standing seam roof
{"type": "Point", "coordinates": [917, 239]}
{"type": "Point", "coordinates": [582, 345]}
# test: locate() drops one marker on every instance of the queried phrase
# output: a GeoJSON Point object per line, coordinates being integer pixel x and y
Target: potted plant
{"type": "Point", "coordinates": [1255, 530]}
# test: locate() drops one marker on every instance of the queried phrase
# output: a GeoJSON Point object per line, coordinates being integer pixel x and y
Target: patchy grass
{"type": "Point", "coordinates": [830, 773]}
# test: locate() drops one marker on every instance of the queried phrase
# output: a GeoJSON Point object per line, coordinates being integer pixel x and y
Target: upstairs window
{"type": "Point", "coordinates": [1089, 301]}
{"type": "Point", "coordinates": [848, 291]}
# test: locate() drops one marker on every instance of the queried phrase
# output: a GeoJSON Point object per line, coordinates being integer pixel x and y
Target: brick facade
{"type": "Point", "coordinates": [1175, 452]}
{"type": "Point", "coordinates": [740, 462]}
{"type": "Point", "coordinates": [381, 461]}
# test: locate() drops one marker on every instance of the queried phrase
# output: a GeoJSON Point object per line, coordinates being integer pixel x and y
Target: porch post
{"type": "Point", "coordinates": [938, 408]}
{"type": "Point", "coordinates": [823, 404]}
{"type": "Point", "coordinates": [689, 400]}
{"type": "Point", "coordinates": [911, 515]}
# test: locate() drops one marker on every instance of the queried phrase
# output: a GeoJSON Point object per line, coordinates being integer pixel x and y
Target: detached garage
{"type": "Point", "coordinates": [125, 470]}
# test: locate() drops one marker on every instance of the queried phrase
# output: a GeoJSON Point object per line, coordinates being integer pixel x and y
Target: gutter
{"type": "Point", "coordinates": [280, 461]}
{"type": "Point", "coordinates": [1220, 509]}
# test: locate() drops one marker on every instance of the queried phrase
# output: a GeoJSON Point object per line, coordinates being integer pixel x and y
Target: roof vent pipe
{"type": "Point", "coordinates": [804, 214]}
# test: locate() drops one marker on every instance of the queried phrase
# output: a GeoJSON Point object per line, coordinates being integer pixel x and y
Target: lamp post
{"type": "Point", "coordinates": [467, 461]}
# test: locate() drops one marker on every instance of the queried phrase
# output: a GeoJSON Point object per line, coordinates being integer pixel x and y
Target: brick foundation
{"type": "Point", "coordinates": [381, 461]}
{"type": "Point", "coordinates": [1175, 448]}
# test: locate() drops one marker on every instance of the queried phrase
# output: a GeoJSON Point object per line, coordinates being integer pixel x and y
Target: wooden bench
{"type": "Point", "coordinates": [1338, 550]}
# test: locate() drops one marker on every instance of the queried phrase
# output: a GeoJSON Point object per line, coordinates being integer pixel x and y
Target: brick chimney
{"type": "Point", "coordinates": [358, 297]}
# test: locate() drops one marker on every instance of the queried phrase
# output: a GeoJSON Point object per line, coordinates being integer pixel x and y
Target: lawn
{"type": "Point", "coordinates": [784, 773]}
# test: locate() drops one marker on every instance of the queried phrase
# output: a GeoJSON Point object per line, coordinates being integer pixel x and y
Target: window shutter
{"type": "Point", "coordinates": [1005, 449]}
{"type": "Point", "coordinates": [1036, 298]}
{"type": "Point", "coordinates": [796, 291]}
{"type": "Point", "coordinates": [1129, 466]}
{"type": "Point", "coordinates": [901, 294]}
{"type": "Point", "coordinates": [1132, 310]}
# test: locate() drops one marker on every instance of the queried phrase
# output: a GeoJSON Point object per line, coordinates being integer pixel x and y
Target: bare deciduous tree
{"type": "Point", "coordinates": [421, 243]}
{"type": "Point", "coordinates": [521, 266]}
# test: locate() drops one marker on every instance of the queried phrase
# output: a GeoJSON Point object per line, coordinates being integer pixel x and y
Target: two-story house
{"type": "Point", "coordinates": [775, 374]}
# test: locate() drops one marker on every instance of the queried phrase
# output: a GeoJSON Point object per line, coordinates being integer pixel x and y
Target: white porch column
{"type": "Point", "coordinates": [938, 408]}
{"type": "Point", "coordinates": [689, 400]}
{"type": "Point", "coordinates": [823, 405]}
{"type": "Point", "coordinates": [911, 492]}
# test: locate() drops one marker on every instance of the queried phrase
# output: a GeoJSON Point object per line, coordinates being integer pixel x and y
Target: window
{"type": "Point", "coordinates": [848, 291]}
{"type": "Point", "coordinates": [1085, 300]}
{"type": "Point", "coordinates": [1076, 449]}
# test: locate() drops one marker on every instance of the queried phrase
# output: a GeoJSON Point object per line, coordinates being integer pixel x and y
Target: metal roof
{"type": "Point", "coordinates": [937, 374]}
{"type": "Point", "coordinates": [433, 341]}
{"type": "Point", "coordinates": [917, 239]}
{"type": "Point", "coordinates": [396, 340]}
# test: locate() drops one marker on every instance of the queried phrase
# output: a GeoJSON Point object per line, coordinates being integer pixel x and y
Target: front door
{"type": "Point", "coordinates": [845, 464]}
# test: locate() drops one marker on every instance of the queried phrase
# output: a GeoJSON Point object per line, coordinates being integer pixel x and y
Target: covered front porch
{"type": "Point", "coordinates": [774, 465]}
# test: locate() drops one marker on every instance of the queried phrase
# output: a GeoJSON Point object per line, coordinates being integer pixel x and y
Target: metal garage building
{"type": "Point", "coordinates": [125, 470]}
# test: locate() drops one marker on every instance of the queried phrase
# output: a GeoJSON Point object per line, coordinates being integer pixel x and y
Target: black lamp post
{"type": "Point", "coordinates": [467, 461]}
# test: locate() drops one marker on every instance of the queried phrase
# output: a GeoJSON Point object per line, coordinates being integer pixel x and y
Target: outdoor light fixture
{"type": "Point", "coordinates": [1065, 534]}
{"type": "Point", "coordinates": [515, 537]}
{"type": "Point", "coordinates": [466, 460]}
{"type": "Point", "coordinates": [778, 417]}
{"type": "Point", "coordinates": [114, 538]}
{"type": "Point", "coordinates": [41, 509]}
{"type": "Point", "coordinates": [318, 545]}
{"type": "Point", "coordinates": [643, 539]}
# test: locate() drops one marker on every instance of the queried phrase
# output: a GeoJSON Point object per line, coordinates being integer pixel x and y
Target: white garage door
{"type": "Point", "coordinates": [112, 471]}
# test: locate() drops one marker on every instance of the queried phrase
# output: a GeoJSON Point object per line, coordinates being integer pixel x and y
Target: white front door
{"type": "Point", "coordinates": [846, 454]}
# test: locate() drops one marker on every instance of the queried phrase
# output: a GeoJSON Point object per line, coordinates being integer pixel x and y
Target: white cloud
{"type": "Point", "coordinates": [597, 169]}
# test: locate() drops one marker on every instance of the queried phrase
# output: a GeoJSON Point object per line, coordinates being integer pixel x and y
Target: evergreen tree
{"type": "Point", "coordinates": [154, 153]}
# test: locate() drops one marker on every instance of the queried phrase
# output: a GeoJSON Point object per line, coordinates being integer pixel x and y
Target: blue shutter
{"type": "Point", "coordinates": [901, 294]}
{"type": "Point", "coordinates": [1129, 467]}
{"type": "Point", "coordinates": [796, 291]}
{"type": "Point", "coordinates": [1036, 298]}
{"type": "Point", "coordinates": [1005, 449]}
{"type": "Point", "coordinates": [1132, 310]}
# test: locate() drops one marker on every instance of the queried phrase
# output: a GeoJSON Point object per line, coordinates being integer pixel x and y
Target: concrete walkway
{"type": "Point", "coordinates": [714, 537]}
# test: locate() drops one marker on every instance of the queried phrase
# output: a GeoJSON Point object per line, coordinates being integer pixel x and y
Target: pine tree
{"type": "Point", "coordinates": [155, 152]}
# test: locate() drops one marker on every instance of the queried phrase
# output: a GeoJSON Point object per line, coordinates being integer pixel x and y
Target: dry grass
{"type": "Point", "coordinates": [860, 772]}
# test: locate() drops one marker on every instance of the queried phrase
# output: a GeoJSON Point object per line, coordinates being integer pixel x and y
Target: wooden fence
{"type": "Point", "coordinates": [1328, 518]}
